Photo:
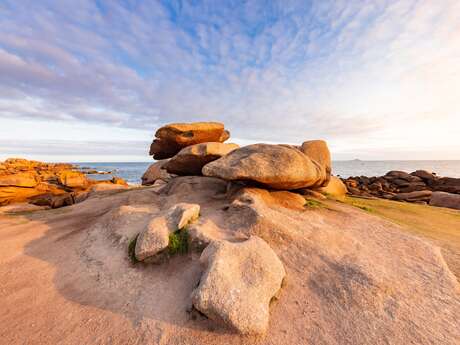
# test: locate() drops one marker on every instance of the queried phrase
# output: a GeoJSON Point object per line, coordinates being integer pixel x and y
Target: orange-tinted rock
{"type": "Point", "coordinates": [318, 151]}
{"type": "Point", "coordinates": [73, 179]}
{"type": "Point", "coordinates": [170, 139]}
{"type": "Point", "coordinates": [335, 188]}
{"type": "Point", "coordinates": [21, 179]}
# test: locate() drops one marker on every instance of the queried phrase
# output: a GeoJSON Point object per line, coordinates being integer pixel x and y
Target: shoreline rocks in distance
{"type": "Point", "coordinates": [419, 187]}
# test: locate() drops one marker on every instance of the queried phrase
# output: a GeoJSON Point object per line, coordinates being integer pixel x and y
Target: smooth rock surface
{"type": "Point", "coordinates": [154, 172]}
{"type": "Point", "coordinates": [318, 151]}
{"type": "Point", "coordinates": [276, 166]}
{"type": "Point", "coordinates": [239, 281]}
{"type": "Point", "coordinates": [171, 138]}
{"type": "Point", "coordinates": [335, 188]}
{"type": "Point", "coordinates": [191, 159]}
{"type": "Point", "coordinates": [155, 238]}
{"type": "Point", "coordinates": [73, 179]}
{"type": "Point", "coordinates": [444, 199]}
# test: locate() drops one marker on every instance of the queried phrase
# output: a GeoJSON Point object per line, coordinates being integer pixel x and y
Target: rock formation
{"type": "Point", "coordinates": [170, 139]}
{"type": "Point", "coordinates": [45, 184]}
{"type": "Point", "coordinates": [275, 166]}
{"type": "Point", "coordinates": [190, 160]}
{"type": "Point", "coordinates": [415, 187]}
{"type": "Point", "coordinates": [242, 304]}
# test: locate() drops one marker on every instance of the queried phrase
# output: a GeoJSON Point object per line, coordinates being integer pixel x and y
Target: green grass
{"type": "Point", "coordinates": [132, 248]}
{"type": "Point", "coordinates": [178, 242]}
{"type": "Point", "coordinates": [439, 225]}
{"type": "Point", "coordinates": [313, 203]}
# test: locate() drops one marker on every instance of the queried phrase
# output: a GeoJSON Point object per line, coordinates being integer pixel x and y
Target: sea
{"type": "Point", "coordinates": [132, 171]}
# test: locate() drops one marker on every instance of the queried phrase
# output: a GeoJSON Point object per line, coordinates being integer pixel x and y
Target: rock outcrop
{"type": "Point", "coordinates": [170, 139]}
{"type": "Point", "coordinates": [444, 199]}
{"type": "Point", "coordinates": [190, 160]}
{"type": "Point", "coordinates": [275, 166]}
{"type": "Point", "coordinates": [415, 187]}
{"type": "Point", "coordinates": [238, 283]}
{"type": "Point", "coordinates": [45, 184]}
{"type": "Point", "coordinates": [335, 188]}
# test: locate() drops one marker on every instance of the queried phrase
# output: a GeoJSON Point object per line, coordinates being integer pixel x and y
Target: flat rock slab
{"type": "Point", "coordinates": [239, 281]}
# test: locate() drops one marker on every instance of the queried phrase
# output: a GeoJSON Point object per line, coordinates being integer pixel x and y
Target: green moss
{"type": "Point", "coordinates": [365, 208]}
{"type": "Point", "coordinates": [313, 203]}
{"type": "Point", "coordinates": [132, 248]}
{"type": "Point", "coordinates": [178, 242]}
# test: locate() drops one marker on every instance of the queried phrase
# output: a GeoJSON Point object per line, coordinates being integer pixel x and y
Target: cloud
{"type": "Point", "coordinates": [281, 71]}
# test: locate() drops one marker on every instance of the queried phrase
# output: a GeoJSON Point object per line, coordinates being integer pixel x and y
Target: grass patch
{"type": "Point", "coordinates": [132, 248]}
{"type": "Point", "coordinates": [313, 203]}
{"type": "Point", "coordinates": [178, 242]}
{"type": "Point", "coordinates": [438, 225]}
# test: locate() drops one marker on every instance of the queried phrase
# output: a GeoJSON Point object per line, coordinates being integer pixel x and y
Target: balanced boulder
{"type": "Point", "coordinates": [276, 166]}
{"type": "Point", "coordinates": [170, 139]}
{"type": "Point", "coordinates": [318, 151]}
{"type": "Point", "coordinates": [239, 281]}
{"type": "Point", "coordinates": [190, 160]}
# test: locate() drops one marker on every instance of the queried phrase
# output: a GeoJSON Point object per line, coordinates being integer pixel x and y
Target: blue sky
{"type": "Point", "coordinates": [92, 80]}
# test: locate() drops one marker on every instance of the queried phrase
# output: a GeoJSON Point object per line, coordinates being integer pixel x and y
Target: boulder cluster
{"type": "Point", "coordinates": [46, 184]}
{"type": "Point", "coordinates": [420, 187]}
{"type": "Point", "coordinates": [199, 149]}
{"type": "Point", "coordinates": [241, 275]}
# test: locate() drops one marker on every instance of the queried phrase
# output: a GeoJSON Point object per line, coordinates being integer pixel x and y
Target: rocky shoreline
{"type": "Point", "coordinates": [421, 187]}
{"type": "Point", "coordinates": [47, 185]}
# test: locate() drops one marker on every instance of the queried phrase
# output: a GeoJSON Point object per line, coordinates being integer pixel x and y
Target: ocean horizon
{"type": "Point", "coordinates": [132, 171]}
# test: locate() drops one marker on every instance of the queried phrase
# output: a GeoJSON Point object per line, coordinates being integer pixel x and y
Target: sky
{"type": "Point", "coordinates": [93, 80]}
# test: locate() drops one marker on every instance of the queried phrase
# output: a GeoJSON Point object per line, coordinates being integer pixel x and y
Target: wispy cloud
{"type": "Point", "coordinates": [353, 72]}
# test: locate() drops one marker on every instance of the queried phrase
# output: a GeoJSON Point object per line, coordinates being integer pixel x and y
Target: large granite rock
{"type": "Point", "coordinates": [190, 160]}
{"type": "Point", "coordinates": [155, 171]}
{"type": "Point", "coordinates": [276, 166]}
{"type": "Point", "coordinates": [335, 188]}
{"type": "Point", "coordinates": [170, 139]}
{"type": "Point", "coordinates": [318, 151]}
{"type": "Point", "coordinates": [444, 199]}
{"type": "Point", "coordinates": [239, 281]}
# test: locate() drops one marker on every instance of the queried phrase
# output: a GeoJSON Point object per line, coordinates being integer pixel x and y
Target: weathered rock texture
{"type": "Point", "coordinates": [239, 281]}
{"type": "Point", "coordinates": [44, 184]}
{"type": "Point", "coordinates": [444, 199]}
{"type": "Point", "coordinates": [155, 238]}
{"type": "Point", "coordinates": [275, 166]}
{"type": "Point", "coordinates": [170, 139]}
{"type": "Point", "coordinates": [190, 160]}
{"type": "Point", "coordinates": [351, 277]}
{"type": "Point", "coordinates": [318, 151]}
{"type": "Point", "coordinates": [154, 172]}
{"type": "Point", "coordinates": [401, 186]}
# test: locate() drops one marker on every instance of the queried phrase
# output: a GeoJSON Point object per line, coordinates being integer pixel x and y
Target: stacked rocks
{"type": "Point", "coordinates": [416, 187]}
{"type": "Point", "coordinates": [44, 184]}
{"type": "Point", "coordinates": [198, 149]}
